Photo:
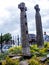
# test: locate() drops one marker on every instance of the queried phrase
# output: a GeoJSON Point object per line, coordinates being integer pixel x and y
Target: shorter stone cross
{"type": "Point", "coordinates": [37, 8]}
{"type": "Point", "coordinates": [39, 31]}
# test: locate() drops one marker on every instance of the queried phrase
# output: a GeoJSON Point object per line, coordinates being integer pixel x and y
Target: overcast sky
{"type": "Point", "coordinates": [10, 15]}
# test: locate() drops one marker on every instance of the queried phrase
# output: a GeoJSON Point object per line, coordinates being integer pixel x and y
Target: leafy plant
{"type": "Point", "coordinates": [15, 50]}
{"type": "Point", "coordinates": [34, 61]}
{"type": "Point", "coordinates": [9, 61]}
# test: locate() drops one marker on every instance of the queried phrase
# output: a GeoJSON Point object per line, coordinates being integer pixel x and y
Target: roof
{"type": "Point", "coordinates": [32, 36]}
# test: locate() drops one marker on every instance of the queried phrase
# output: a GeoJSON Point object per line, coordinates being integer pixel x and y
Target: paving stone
{"type": "Point", "coordinates": [43, 59]}
{"type": "Point", "coordinates": [23, 63]}
{"type": "Point", "coordinates": [47, 55]}
{"type": "Point", "coordinates": [16, 57]}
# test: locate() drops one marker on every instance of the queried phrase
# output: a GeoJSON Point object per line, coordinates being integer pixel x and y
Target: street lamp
{"type": "Point", "coordinates": [1, 42]}
{"type": "Point", "coordinates": [18, 40]}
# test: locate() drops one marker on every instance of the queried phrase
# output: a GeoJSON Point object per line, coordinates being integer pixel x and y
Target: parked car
{"type": "Point", "coordinates": [6, 47]}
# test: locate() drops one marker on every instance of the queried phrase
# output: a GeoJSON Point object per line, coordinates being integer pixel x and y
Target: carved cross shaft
{"type": "Point", "coordinates": [22, 7]}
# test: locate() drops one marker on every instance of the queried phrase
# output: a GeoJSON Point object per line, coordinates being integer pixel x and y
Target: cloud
{"type": "Point", "coordinates": [10, 15]}
{"type": "Point", "coordinates": [12, 23]}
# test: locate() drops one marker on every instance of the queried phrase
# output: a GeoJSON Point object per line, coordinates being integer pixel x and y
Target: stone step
{"type": "Point", "coordinates": [23, 63]}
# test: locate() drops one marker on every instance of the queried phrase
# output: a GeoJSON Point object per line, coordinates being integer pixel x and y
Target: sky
{"type": "Point", "coordinates": [10, 16]}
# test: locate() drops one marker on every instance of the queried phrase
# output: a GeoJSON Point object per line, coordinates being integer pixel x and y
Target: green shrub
{"type": "Point", "coordinates": [9, 61]}
{"type": "Point", "coordinates": [34, 61]}
{"type": "Point", "coordinates": [15, 50]}
{"type": "Point", "coordinates": [46, 44]}
{"type": "Point", "coordinates": [43, 52]}
{"type": "Point", "coordinates": [32, 51]}
{"type": "Point", "coordinates": [34, 48]}
{"type": "Point", "coordinates": [3, 55]}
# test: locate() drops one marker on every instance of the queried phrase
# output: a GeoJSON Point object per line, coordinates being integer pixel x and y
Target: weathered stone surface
{"type": "Point", "coordinates": [43, 59]}
{"type": "Point", "coordinates": [24, 29]}
{"type": "Point", "coordinates": [23, 63]}
{"type": "Point", "coordinates": [39, 31]}
{"type": "Point", "coordinates": [16, 57]}
{"type": "Point", "coordinates": [48, 56]}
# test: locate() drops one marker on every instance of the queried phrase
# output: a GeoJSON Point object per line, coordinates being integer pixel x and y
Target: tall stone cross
{"type": "Point", "coordinates": [39, 31]}
{"type": "Point", "coordinates": [24, 30]}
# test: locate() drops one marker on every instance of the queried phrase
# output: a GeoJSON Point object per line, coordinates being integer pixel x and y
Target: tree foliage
{"type": "Point", "coordinates": [6, 37]}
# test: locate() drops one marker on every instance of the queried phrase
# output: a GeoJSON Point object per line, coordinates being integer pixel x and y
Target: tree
{"type": "Point", "coordinates": [7, 37]}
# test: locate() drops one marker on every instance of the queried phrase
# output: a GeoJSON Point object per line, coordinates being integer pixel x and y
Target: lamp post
{"type": "Point", "coordinates": [1, 42]}
{"type": "Point", "coordinates": [18, 40]}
